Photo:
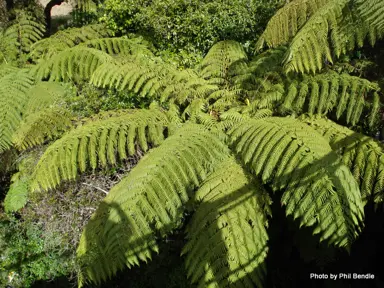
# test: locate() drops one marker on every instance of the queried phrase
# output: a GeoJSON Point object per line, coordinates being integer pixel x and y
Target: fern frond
{"type": "Point", "coordinates": [25, 31]}
{"type": "Point", "coordinates": [288, 21]}
{"type": "Point", "coordinates": [267, 62]}
{"type": "Point", "coordinates": [68, 38]}
{"type": "Point", "coordinates": [227, 237]}
{"type": "Point", "coordinates": [221, 60]}
{"type": "Point", "coordinates": [148, 202]}
{"type": "Point", "coordinates": [311, 46]}
{"type": "Point", "coordinates": [17, 196]}
{"type": "Point", "coordinates": [293, 157]}
{"type": "Point", "coordinates": [362, 154]}
{"type": "Point", "coordinates": [153, 78]}
{"type": "Point", "coordinates": [71, 64]}
{"type": "Point", "coordinates": [46, 94]}
{"type": "Point", "coordinates": [121, 45]}
{"type": "Point", "coordinates": [98, 143]}
{"type": "Point", "coordinates": [13, 97]}
{"type": "Point", "coordinates": [7, 69]}
{"type": "Point", "coordinates": [41, 126]}
{"type": "Point", "coordinates": [344, 94]}
{"type": "Point", "coordinates": [372, 11]}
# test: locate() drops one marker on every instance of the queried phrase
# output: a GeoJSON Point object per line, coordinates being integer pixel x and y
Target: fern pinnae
{"type": "Point", "coordinates": [102, 137]}
{"type": "Point", "coordinates": [324, 94]}
{"type": "Point", "coordinates": [218, 228]}
{"type": "Point", "coordinates": [261, 149]}
{"type": "Point", "coordinates": [360, 153]}
{"type": "Point", "coordinates": [314, 98]}
{"type": "Point", "coordinates": [299, 170]}
{"type": "Point", "coordinates": [149, 172]}
{"type": "Point", "coordinates": [374, 111]}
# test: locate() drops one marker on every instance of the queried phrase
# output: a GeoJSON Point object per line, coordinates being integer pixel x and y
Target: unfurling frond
{"type": "Point", "coordinates": [71, 64]}
{"type": "Point", "coordinates": [148, 202]}
{"type": "Point", "coordinates": [288, 21]}
{"type": "Point", "coordinates": [98, 143]}
{"type": "Point", "coordinates": [363, 155]}
{"type": "Point", "coordinates": [41, 126]}
{"type": "Point", "coordinates": [222, 60]}
{"type": "Point", "coordinates": [13, 97]}
{"type": "Point", "coordinates": [293, 157]}
{"type": "Point", "coordinates": [344, 94]}
{"type": "Point", "coordinates": [227, 237]}
{"type": "Point", "coordinates": [67, 38]}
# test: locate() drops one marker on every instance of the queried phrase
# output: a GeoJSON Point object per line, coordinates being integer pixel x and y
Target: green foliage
{"type": "Point", "coordinates": [18, 193]}
{"type": "Point", "coordinates": [219, 61]}
{"type": "Point", "coordinates": [148, 202]}
{"type": "Point", "coordinates": [361, 154]}
{"type": "Point", "coordinates": [322, 30]}
{"type": "Point", "coordinates": [198, 119]}
{"type": "Point", "coordinates": [37, 128]}
{"type": "Point", "coordinates": [91, 100]}
{"type": "Point", "coordinates": [13, 97]}
{"type": "Point", "coordinates": [98, 143]}
{"type": "Point", "coordinates": [188, 26]}
{"type": "Point", "coordinates": [152, 77]}
{"type": "Point", "coordinates": [67, 38]}
{"type": "Point", "coordinates": [28, 255]}
{"type": "Point", "coordinates": [321, 94]}
{"type": "Point", "coordinates": [227, 235]}
{"type": "Point", "coordinates": [20, 97]}
{"type": "Point", "coordinates": [318, 189]}
{"type": "Point", "coordinates": [18, 38]}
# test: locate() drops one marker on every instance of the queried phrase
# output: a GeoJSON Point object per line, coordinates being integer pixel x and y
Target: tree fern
{"type": "Point", "coordinates": [318, 188]}
{"type": "Point", "coordinates": [310, 47]}
{"type": "Point", "coordinates": [17, 195]}
{"type": "Point", "coordinates": [372, 11]}
{"type": "Point", "coordinates": [98, 143]}
{"type": "Point", "coordinates": [149, 199]}
{"type": "Point", "coordinates": [227, 237]}
{"type": "Point", "coordinates": [363, 155]}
